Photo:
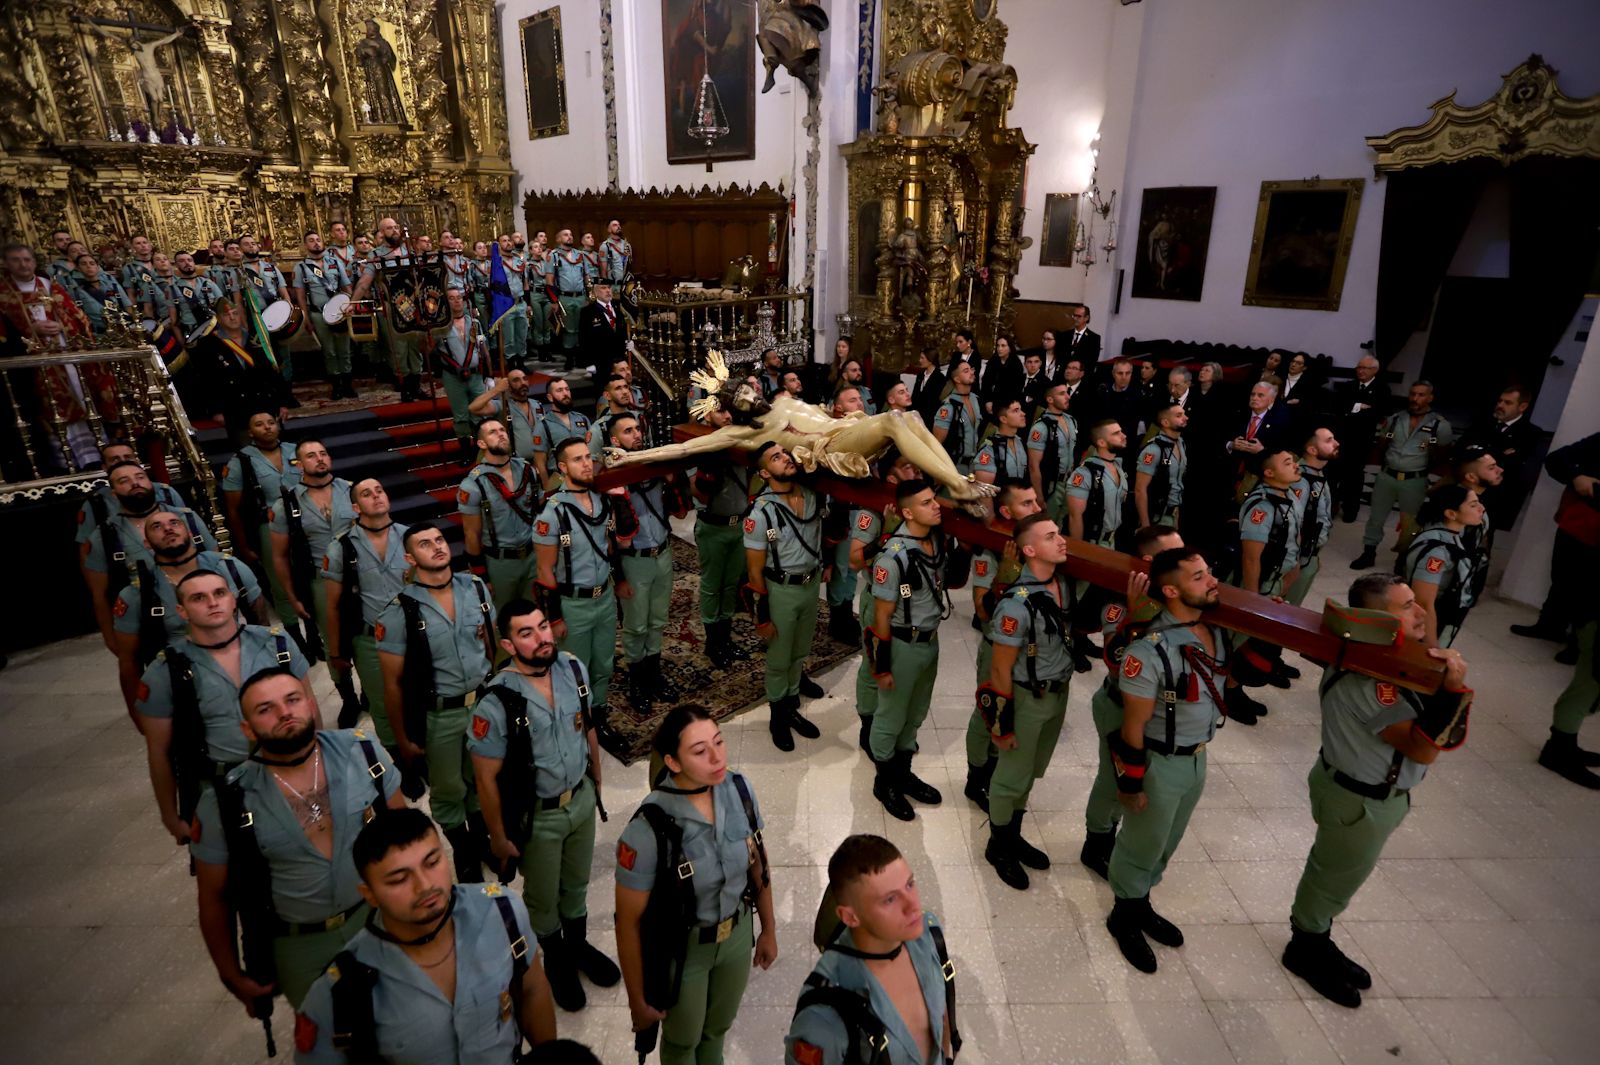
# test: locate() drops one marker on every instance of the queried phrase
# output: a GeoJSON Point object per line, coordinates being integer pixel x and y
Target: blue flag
{"type": "Point", "coordinates": [500, 299]}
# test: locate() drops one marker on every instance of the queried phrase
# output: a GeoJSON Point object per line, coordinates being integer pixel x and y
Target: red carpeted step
{"type": "Point", "coordinates": [420, 432]}
{"type": "Point", "coordinates": [443, 476]}
{"type": "Point", "coordinates": [396, 413]}
{"type": "Point", "coordinates": [433, 452]}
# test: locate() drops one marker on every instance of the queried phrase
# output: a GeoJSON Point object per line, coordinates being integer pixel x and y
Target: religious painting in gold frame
{"type": "Point", "coordinates": [1301, 247]}
{"type": "Point", "coordinates": [1060, 229]}
{"type": "Point", "coordinates": [544, 74]}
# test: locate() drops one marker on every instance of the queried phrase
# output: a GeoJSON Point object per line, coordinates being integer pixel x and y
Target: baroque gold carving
{"type": "Point", "coordinates": [268, 109]}
{"type": "Point", "coordinates": [307, 70]}
{"type": "Point", "coordinates": [1528, 116]}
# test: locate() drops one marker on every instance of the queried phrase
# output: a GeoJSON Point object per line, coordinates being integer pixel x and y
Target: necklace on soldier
{"type": "Point", "coordinates": [312, 802]}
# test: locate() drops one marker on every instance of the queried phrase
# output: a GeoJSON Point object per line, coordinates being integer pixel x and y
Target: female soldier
{"type": "Point", "coordinates": [715, 811]}
{"type": "Point", "coordinates": [1441, 569]}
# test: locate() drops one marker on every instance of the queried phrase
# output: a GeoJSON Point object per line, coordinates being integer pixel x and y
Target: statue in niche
{"type": "Point", "coordinates": [377, 60]}
{"type": "Point", "coordinates": [909, 263]}
{"type": "Point", "coordinates": [791, 38]}
{"type": "Point", "coordinates": [152, 83]}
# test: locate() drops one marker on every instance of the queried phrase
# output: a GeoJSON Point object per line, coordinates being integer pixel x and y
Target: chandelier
{"type": "Point", "coordinates": [710, 117]}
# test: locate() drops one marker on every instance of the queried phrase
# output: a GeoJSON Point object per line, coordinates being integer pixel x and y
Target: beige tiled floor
{"type": "Point", "coordinates": [1481, 925]}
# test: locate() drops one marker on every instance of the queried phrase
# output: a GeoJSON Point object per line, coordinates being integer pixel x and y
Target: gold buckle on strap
{"type": "Point", "coordinates": [334, 922]}
{"type": "Point", "coordinates": [725, 929]}
{"type": "Point", "coordinates": [564, 798]}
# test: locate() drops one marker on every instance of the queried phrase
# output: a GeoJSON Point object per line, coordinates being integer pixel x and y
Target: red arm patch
{"type": "Point", "coordinates": [1008, 626]}
{"type": "Point", "coordinates": [1131, 667]}
{"type": "Point", "coordinates": [1113, 614]}
{"type": "Point", "coordinates": [864, 522]}
{"type": "Point", "coordinates": [143, 693]}
{"type": "Point", "coordinates": [1388, 694]}
{"type": "Point", "coordinates": [749, 526]}
{"type": "Point", "coordinates": [1435, 565]}
{"type": "Point", "coordinates": [305, 1034]}
{"type": "Point", "coordinates": [542, 528]}
{"type": "Point", "coordinates": [879, 575]}
{"type": "Point", "coordinates": [981, 567]}
{"type": "Point", "coordinates": [983, 459]}
{"type": "Point", "coordinates": [325, 563]}
{"type": "Point", "coordinates": [377, 631]}
{"type": "Point", "coordinates": [1257, 517]}
{"type": "Point", "coordinates": [626, 856]}
{"type": "Point", "coordinates": [1036, 436]}
{"type": "Point", "coordinates": [1149, 458]}
{"type": "Point", "coordinates": [120, 608]}
{"type": "Point", "coordinates": [462, 496]}
{"type": "Point", "coordinates": [1077, 480]}
{"type": "Point", "coordinates": [806, 1053]}
{"type": "Point", "coordinates": [480, 727]}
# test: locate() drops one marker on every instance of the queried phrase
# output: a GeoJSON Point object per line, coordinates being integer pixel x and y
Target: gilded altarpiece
{"type": "Point", "coordinates": [934, 224]}
{"type": "Point", "coordinates": [192, 119]}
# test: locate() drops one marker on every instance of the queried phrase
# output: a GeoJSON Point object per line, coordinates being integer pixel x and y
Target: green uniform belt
{"type": "Point", "coordinates": [311, 928]}
{"type": "Point", "coordinates": [456, 702]}
{"type": "Point", "coordinates": [791, 578]}
{"type": "Point", "coordinates": [644, 552]}
{"type": "Point", "coordinates": [580, 292]}
{"type": "Point", "coordinates": [1404, 475]}
{"type": "Point", "coordinates": [572, 591]}
{"type": "Point", "coordinates": [717, 933]}
{"type": "Point", "coordinates": [509, 552]}
{"type": "Point", "coordinates": [557, 802]}
{"type": "Point", "coordinates": [1161, 747]}
{"type": "Point", "coordinates": [1365, 790]}
{"type": "Point", "coordinates": [732, 521]}
{"type": "Point", "coordinates": [914, 635]}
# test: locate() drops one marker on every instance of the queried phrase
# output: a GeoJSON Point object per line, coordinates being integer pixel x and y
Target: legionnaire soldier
{"type": "Point", "coordinates": [536, 758]}
{"type": "Point", "coordinates": [341, 249]}
{"type": "Point", "coordinates": [1024, 699]}
{"type": "Point", "coordinates": [138, 273]}
{"type": "Point", "coordinates": [561, 423]}
{"type": "Point", "coordinates": [1314, 502]}
{"type": "Point", "coordinates": [960, 419]}
{"type": "Point", "coordinates": [439, 973]}
{"type": "Point", "coordinates": [1269, 527]}
{"type": "Point", "coordinates": [909, 602]}
{"type": "Point", "coordinates": [1171, 703]}
{"type": "Point", "coordinates": [869, 530]}
{"type": "Point", "coordinates": [991, 576]}
{"type": "Point", "coordinates": [885, 979]}
{"type": "Point", "coordinates": [405, 353]}
{"type": "Point", "coordinates": [1003, 456]}
{"type": "Point", "coordinates": [498, 501]}
{"type": "Point", "coordinates": [457, 267]}
{"type": "Point", "coordinates": [146, 614]}
{"type": "Point", "coordinates": [435, 648]}
{"type": "Point", "coordinates": [196, 293]}
{"type": "Point", "coordinates": [367, 566]}
{"type": "Point", "coordinates": [478, 279]}
{"type": "Point", "coordinates": [272, 857]}
{"type": "Point", "coordinates": [721, 488]}
{"type": "Point", "coordinates": [784, 560]}
{"type": "Point", "coordinates": [303, 523]}
{"type": "Point", "coordinates": [566, 279]}
{"type": "Point", "coordinates": [647, 565]}
{"type": "Point", "coordinates": [703, 816]}
{"type": "Point", "coordinates": [514, 325]}
{"type": "Point", "coordinates": [538, 298]}
{"type": "Point", "coordinates": [1121, 621]}
{"type": "Point", "coordinates": [522, 415]}
{"type": "Point", "coordinates": [269, 286]}
{"type": "Point", "coordinates": [319, 277]}
{"type": "Point", "coordinates": [576, 541]}
{"type": "Point", "coordinates": [616, 254]}
{"type": "Point", "coordinates": [1158, 476]}
{"type": "Point", "coordinates": [188, 697]}
{"type": "Point", "coordinates": [1442, 568]}
{"type": "Point", "coordinates": [1411, 438]}
{"type": "Point", "coordinates": [1378, 740]}
{"type": "Point", "coordinates": [1052, 449]}
{"type": "Point", "coordinates": [461, 365]}
{"type": "Point", "coordinates": [251, 482]}
{"type": "Point", "coordinates": [1097, 489]}
{"type": "Point", "coordinates": [618, 400]}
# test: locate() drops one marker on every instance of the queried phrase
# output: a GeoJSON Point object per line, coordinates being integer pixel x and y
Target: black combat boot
{"type": "Point", "coordinates": [1084, 653]}
{"type": "Point", "coordinates": [1126, 925]}
{"type": "Point", "coordinates": [886, 789]}
{"type": "Point", "coordinates": [586, 958]}
{"type": "Point", "coordinates": [978, 777]}
{"type": "Point", "coordinates": [350, 704]}
{"type": "Point", "coordinates": [1158, 927]}
{"type": "Point", "coordinates": [843, 626]}
{"type": "Point", "coordinates": [719, 643]}
{"type": "Point", "coordinates": [912, 786]}
{"type": "Point", "coordinates": [666, 691]}
{"type": "Point", "coordinates": [1367, 559]}
{"type": "Point", "coordinates": [802, 726]}
{"type": "Point", "coordinates": [1096, 853]}
{"type": "Point", "coordinates": [778, 725]}
{"type": "Point", "coordinates": [641, 688]}
{"type": "Point", "coordinates": [864, 737]}
{"type": "Point", "coordinates": [1026, 853]}
{"type": "Point", "coordinates": [1563, 756]}
{"type": "Point", "coordinates": [562, 974]}
{"type": "Point", "coordinates": [1311, 957]}
{"type": "Point", "coordinates": [1243, 708]}
{"type": "Point", "coordinates": [1354, 972]}
{"type": "Point", "coordinates": [810, 688]}
{"type": "Point", "coordinates": [1001, 853]}
{"type": "Point", "coordinates": [464, 851]}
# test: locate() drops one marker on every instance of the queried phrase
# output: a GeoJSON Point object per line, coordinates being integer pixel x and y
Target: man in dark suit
{"type": "Point", "coordinates": [1359, 404]}
{"type": "Point", "coordinates": [1034, 383]}
{"type": "Point", "coordinates": [1121, 402]}
{"type": "Point", "coordinates": [1080, 391]}
{"type": "Point", "coordinates": [1264, 427]}
{"type": "Point", "coordinates": [1515, 442]}
{"type": "Point", "coordinates": [602, 333]}
{"type": "Point", "coordinates": [929, 387]}
{"type": "Point", "coordinates": [1081, 340]}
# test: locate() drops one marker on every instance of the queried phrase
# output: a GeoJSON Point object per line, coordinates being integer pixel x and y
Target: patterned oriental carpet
{"type": "Point", "coordinates": [726, 693]}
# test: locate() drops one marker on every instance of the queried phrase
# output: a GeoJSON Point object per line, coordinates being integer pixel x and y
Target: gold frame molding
{"type": "Point", "coordinates": [1053, 202]}
{"type": "Point", "coordinates": [1352, 188]}
{"type": "Point", "coordinates": [553, 16]}
{"type": "Point", "coordinates": [1528, 116]}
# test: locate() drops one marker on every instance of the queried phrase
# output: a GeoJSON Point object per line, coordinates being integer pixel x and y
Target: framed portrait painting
{"type": "Point", "coordinates": [1060, 229]}
{"type": "Point", "coordinates": [716, 37]}
{"type": "Point", "coordinates": [1301, 248]}
{"type": "Point", "coordinates": [544, 74]}
{"type": "Point", "coordinates": [1169, 262]}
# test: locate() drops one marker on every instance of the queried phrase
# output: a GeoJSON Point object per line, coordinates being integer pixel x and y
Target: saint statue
{"type": "Point", "coordinates": [377, 59]}
{"type": "Point", "coordinates": [907, 250]}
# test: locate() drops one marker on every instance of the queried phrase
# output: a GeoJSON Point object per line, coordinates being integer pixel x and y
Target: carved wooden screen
{"type": "Point", "coordinates": [682, 235]}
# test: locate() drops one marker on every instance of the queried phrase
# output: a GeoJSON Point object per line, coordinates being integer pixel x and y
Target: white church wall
{"type": "Point", "coordinates": [576, 160]}
{"type": "Point", "coordinates": [1237, 92]}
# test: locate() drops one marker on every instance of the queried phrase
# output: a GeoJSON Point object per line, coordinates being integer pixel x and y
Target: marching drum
{"type": "Point", "coordinates": [281, 316]}
{"type": "Point", "coordinates": [334, 310]}
{"type": "Point", "coordinates": [363, 318]}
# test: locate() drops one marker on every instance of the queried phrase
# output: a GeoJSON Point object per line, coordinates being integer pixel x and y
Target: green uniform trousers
{"type": "Point", "coordinates": [510, 578]}
{"type": "Point", "coordinates": [1148, 839]}
{"type": "Point", "coordinates": [1582, 696]}
{"type": "Point", "coordinates": [592, 637]}
{"type": "Point", "coordinates": [301, 959]}
{"type": "Point", "coordinates": [644, 617]}
{"type": "Point", "coordinates": [1351, 832]}
{"type": "Point", "coordinates": [319, 596]}
{"type": "Point", "coordinates": [1038, 728]}
{"type": "Point", "coordinates": [335, 343]}
{"type": "Point", "coordinates": [450, 777]}
{"type": "Point", "coordinates": [539, 317]}
{"type": "Point", "coordinates": [794, 614]}
{"type": "Point", "coordinates": [866, 687]}
{"type": "Point", "coordinates": [364, 655]}
{"type": "Point", "coordinates": [556, 859]}
{"type": "Point", "coordinates": [461, 391]}
{"type": "Point", "coordinates": [1386, 492]}
{"type": "Point", "coordinates": [573, 307]}
{"type": "Point", "coordinates": [980, 744]}
{"type": "Point", "coordinates": [405, 349]}
{"type": "Point", "coordinates": [714, 978]}
{"type": "Point", "coordinates": [902, 709]}
{"type": "Point", "coordinates": [514, 328]}
{"type": "Point", "coordinates": [1302, 584]}
{"type": "Point", "coordinates": [1056, 501]}
{"type": "Point", "coordinates": [1103, 812]}
{"type": "Point", "coordinates": [280, 595]}
{"type": "Point", "coordinates": [722, 567]}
